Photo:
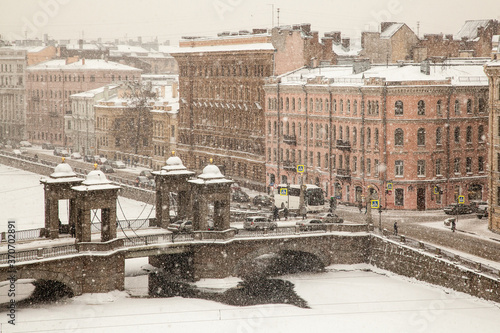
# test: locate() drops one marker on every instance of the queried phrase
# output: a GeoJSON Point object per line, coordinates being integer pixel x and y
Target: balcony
{"type": "Point", "coordinates": [343, 145]}
{"type": "Point", "coordinates": [344, 174]}
{"type": "Point", "coordinates": [289, 165]}
{"type": "Point", "coordinates": [290, 139]}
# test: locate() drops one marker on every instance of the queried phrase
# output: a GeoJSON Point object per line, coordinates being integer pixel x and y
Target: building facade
{"type": "Point", "coordinates": [221, 113]}
{"type": "Point", "coordinates": [80, 124]}
{"type": "Point", "coordinates": [412, 136]}
{"type": "Point", "coordinates": [493, 72]}
{"type": "Point", "coordinates": [49, 86]}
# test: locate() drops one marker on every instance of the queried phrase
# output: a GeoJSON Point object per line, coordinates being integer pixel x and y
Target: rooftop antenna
{"type": "Point", "coordinates": [278, 17]}
{"type": "Point", "coordinates": [418, 29]}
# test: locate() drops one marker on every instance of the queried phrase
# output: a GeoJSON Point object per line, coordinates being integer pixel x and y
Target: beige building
{"type": "Point", "coordinates": [119, 138]}
{"type": "Point", "coordinates": [492, 69]}
{"type": "Point", "coordinates": [393, 43]}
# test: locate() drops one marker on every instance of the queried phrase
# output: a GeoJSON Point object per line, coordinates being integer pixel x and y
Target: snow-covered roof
{"type": "Point", "coordinates": [82, 64]}
{"type": "Point", "coordinates": [391, 30]}
{"type": "Point", "coordinates": [469, 29]}
{"type": "Point", "coordinates": [63, 173]}
{"type": "Point", "coordinates": [174, 166]}
{"type": "Point", "coordinates": [92, 93]}
{"type": "Point", "coordinates": [456, 73]}
{"type": "Point", "coordinates": [211, 175]}
{"type": "Point", "coordinates": [227, 48]}
{"type": "Point", "coordinates": [96, 180]}
{"type": "Point", "coordinates": [341, 51]}
{"type": "Point", "coordinates": [86, 47]}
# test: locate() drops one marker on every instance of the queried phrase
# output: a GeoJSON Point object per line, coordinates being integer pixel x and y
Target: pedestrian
{"type": "Point", "coordinates": [395, 228]}
{"type": "Point", "coordinates": [453, 225]}
{"type": "Point", "coordinates": [285, 213]}
{"type": "Point", "coordinates": [72, 231]}
{"type": "Point", "coordinates": [360, 206]}
{"type": "Point", "coordinates": [303, 212]}
{"type": "Point", "coordinates": [275, 213]}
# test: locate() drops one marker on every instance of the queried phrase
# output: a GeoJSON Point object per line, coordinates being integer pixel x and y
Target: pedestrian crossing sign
{"type": "Point", "coordinates": [301, 168]}
{"type": "Point", "coordinates": [283, 191]}
{"type": "Point", "coordinates": [375, 203]}
{"type": "Point", "coordinates": [461, 199]}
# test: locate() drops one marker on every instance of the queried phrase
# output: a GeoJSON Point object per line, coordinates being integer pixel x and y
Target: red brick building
{"type": "Point", "coordinates": [419, 131]}
{"type": "Point", "coordinates": [221, 112]}
{"type": "Point", "coordinates": [49, 86]}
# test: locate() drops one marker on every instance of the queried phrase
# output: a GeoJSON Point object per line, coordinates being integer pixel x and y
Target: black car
{"type": "Point", "coordinates": [454, 209]}
{"type": "Point", "coordinates": [240, 196]}
{"type": "Point", "coordinates": [107, 168]}
{"type": "Point", "coordinates": [261, 200]}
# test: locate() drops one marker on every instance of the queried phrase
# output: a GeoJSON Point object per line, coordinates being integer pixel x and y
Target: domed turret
{"type": "Point", "coordinates": [96, 177]}
{"type": "Point", "coordinates": [63, 170]}
{"type": "Point", "coordinates": [174, 163]}
{"type": "Point", "coordinates": [211, 172]}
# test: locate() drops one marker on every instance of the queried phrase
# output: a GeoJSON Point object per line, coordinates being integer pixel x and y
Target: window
{"type": "Point", "coordinates": [457, 107]}
{"type": "Point", "coordinates": [348, 106]}
{"type": "Point", "coordinates": [355, 107]}
{"type": "Point", "coordinates": [318, 159]}
{"type": "Point", "coordinates": [354, 136]}
{"type": "Point", "coordinates": [468, 134]}
{"type": "Point", "coordinates": [368, 136]}
{"type": "Point", "coordinates": [398, 108]}
{"type": "Point", "coordinates": [480, 164]}
{"type": "Point", "coordinates": [469, 106]}
{"type": "Point", "coordinates": [376, 137]}
{"type": "Point", "coordinates": [355, 164]}
{"type": "Point", "coordinates": [399, 168]}
{"type": "Point", "coordinates": [376, 168]}
{"type": "Point", "coordinates": [398, 137]}
{"type": "Point", "coordinates": [457, 135]}
{"type": "Point", "coordinates": [456, 165]}
{"type": "Point", "coordinates": [341, 106]}
{"type": "Point", "coordinates": [468, 165]}
{"type": "Point", "coordinates": [421, 168]}
{"type": "Point", "coordinates": [439, 136]}
{"type": "Point", "coordinates": [399, 197]}
{"type": "Point", "coordinates": [480, 134]}
{"type": "Point", "coordinates": [438, 167]}
{"type": "Point", "coordinates": [368, 166]}
{"type": "Point", "coordinates": [421, 137]}
{"type": "Point", "coordinates": [482, 105]}
{"type": "Point", "coordinates": [421, 108]}
{"type": "Point", "coordinates": [498, 196]}
{"type": "Point", "coordinates": [498, 162]}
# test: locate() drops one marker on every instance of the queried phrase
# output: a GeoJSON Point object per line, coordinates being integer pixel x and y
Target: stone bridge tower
{"type": "Point", "coordinates": [172, 178]}
{"type": "Point", "coordinates": [58, 187]}
{"type": "Point", "coordinates": [96, 192]}
{"type": "Point", "coordinates": [211, 187]}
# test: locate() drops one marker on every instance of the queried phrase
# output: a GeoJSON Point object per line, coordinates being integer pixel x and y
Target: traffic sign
{"type": "Point", "coordinates": [375, 203]}
{"type": "Point", "coordinates": [389, 186]}
{"type": "Point", "coordinates": [283, 191]}
{"type": "Point", "coordinates": [461, 199]}
{"type": "Point", "coordinates": [436, 190]}
{"type": "Point", "coordinates": [301, 168]}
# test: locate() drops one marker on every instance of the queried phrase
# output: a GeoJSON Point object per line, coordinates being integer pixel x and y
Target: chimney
{"type": "Point", "coordinates": [385, 25]}
{"type": "Point", "coordinates": [449, 37]}
{"type": "Point", "coordinates": [306, 28]}
{"type": "Point", "coordinates": [346, 43]}
{"type": "Point", "coordinates": [80, 44]}
{"type": "Point", "coordinates": [175, 86]}
{"type": "Point", "coordinates": [328, 42]}
{"type": "Point", "coordinates": [83, 61]}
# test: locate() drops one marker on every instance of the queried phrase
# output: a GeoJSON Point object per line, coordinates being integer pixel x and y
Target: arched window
{"type": "Point", "coordinates": [398, 108]}
{"type": "Point", "coordinates": [299, 106]}
{"type": "Point", "coordinates": [457, 107]}
{"type": "Point", "coordinates": [421, 137]}
{"type": "Point", "coordinates": [439, 111]}
{"type": "Point", "coordinates": [376, 137]}
{"type": "Point", "coordinates": [482, 104]}
{"type": "Point", "coordinates": [340, 133]}
{"type": "Point", "coordinates": [334, 133]}
{"type": "Point", "coordinates": [355, 111]}
{"type": "Point", "coordinates": [354, 136]}
{"type": "Point", "coordinates": [469, 106]}
{"type": "Point", "coordinates": [439, 136]}
{"type": "Point", "coordinates": [287, 104]}
{"type": "Point", "coordinates": [293, 103]}
{"type": "Point", "coordinates": [398, 137]}
{"type": "Point", "coordinates": [348, 106]}
{"type": "Point", "coordinates": [341, 106]}
{"type": "Point", "coordinates": [480, 134]}
{"type": "Point", "coordinates": [347, 134]}
{"type": "Point", "coordinates": [334, 105]}
{"type": "Point", "coordinates": [421, 108]}
{"type": "Point", "coordinates": [457, 134]}
{"type": "Point", "coordinates": [368, 136]}
{"type": "Point", "coordinates": [468, 134]}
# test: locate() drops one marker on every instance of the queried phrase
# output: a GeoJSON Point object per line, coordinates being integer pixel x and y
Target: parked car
{"type": "Point", "coordinates": [57, 151]}
{"type": "Point", "coordinates": [455, 209]}
{"type": "Point", "coordinates": [25, 144]}
{"type": "Point", "coordinates": [146, 173]}
{"type": "Point", "coordinates": [100, 160]}
{"type": "Point", "coordinates": [76, 156]}
{"type": "Point", "coordinates": [311, 224]}
{"type": "Point", "coordinates": [17, 152]}
{"type": "Point", "coordinates": [23, 150]}
{"type": "Point", "coordinates": [475, 204]}
{"type": "Point", "coordinates": [118, 165]}
{"type": "Point", "coordinates": [141, 181]}
{"type": "Point", "coordinates": [181, 226]}
{"type": "Point", "coordinates": [330, 218]}
{"type": "Point", "coordinates": [259, 222]}
{"type": "Point", "coordinates": [48, 145]}
{"type": "Point", "coordinates": [482, 210]}
{"type": "Point", "coordinates": [240, 196]}
{"type": "Point", "coordinates": [262, 200]}
{"type": "Point", "coordinates": [107, 169]}
{"type": "Point", "coordinates": [64, 153]}
{"type": "Point", "coordinates": [88, 158]}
